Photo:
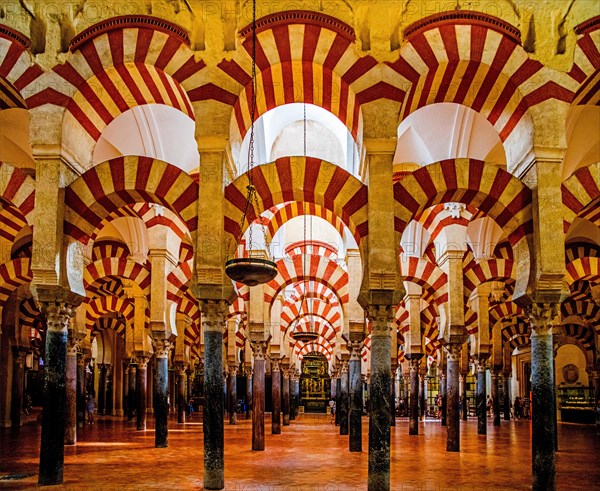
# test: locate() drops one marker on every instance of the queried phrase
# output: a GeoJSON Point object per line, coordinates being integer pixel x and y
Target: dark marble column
{"type": "Point", "coordinates": [295, 392]}
{"type": "Point", "coordinates": [338, 399]}
{"type": "Point", "coordinates": [161, 384]}
{"type": "Point", "coordinates": [276, 397]}
{"type": "Point", "coordinates": [248, 393]}
{"type": "Point", "coordinates": [543, 442]}
{"type": "Point", "coordinates": [213, 321]}
{"type": "Point", "coordinates": [444, 395]}
{"type": "Point", "coordinates": [356, 406]}
{"type": "Point", "coordinates": [232, 394]}
{"type": "Point", "coordinates": [379, 407]}
{"type": "Point", "coordinates": [507, 398]}
{"type": "Point", "coordinates": [285, 392]}
{"type": "Point", "coordinates": [52, 453]}
{"type": "Point", "coordinates": [71, 388]}
{"type": "Point", "coordinates": [17, 387]}
{"type": "Point", "coordinates": [495, 399]}
{"type": "Point", "coordinates": [413, 422]}
{"type": "Point", "coordinates": [102, 389]}
{"type": "Point", "coordinates": [259, 349]}
{"type": "Point", "coordinates": [343, 397]}
{"type": "Point", "coordinates": [150, 388]}
{"type": "Point", "coordinates": [142, 388]}
{"type": "Point", "coordinates": [132, 392]}
{"type": "Point", "coordinates": [181, 393]}
{"type": "Point", "coordinates": [453, 417]}
{"type": "Point", "coordinates": [393, 397]}
{"type": "Point", "coordinates": [80, 391]}
{"type": "Point", "coordinates": [422, 398]}
{"type": "Point", "coordinates": [480, 401]}
{"type": "Point", "coordinates": [109, 404]}
{"type": "Point", "coordinates": [464, 407]}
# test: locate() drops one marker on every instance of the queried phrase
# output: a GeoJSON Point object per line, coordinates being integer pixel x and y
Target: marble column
{"type": "Point", "coordinates": [422, 398]}
{"type": "Point", "coordinates": [338, 399]}
{"type": "Point", "coordinates": [413, 422]}
{"type": "Point", "coordinates": [355, 413]}
{"type": "Point", "coordinates": [507, 398]}
{"type": "Point", "coordinates": [285, 392]}
{"type": "Point", "coordinates": [453, 416]}
{"type": "Point", "coordinates": [379, 407]}
{"type": "Point", "coordinates": [132, 394]}
{"type": "Point", "coordinates": [249, 393]}
{"type": "Point", "coordinates": [71, 387]}
{"type": "Point", "coordinates": [393, 398]}
{"type": "Point", "coordinates": [161, 379]}
{"type": "Point", "coordinates": [17, 386]}
{"type": "Point", "coordinates": [463, 391]}
{"type": "Point", "coordinates": [480, 401]}
{"type": "Point", "coordinates": [495, 399]}
{"type": "Point", "coordinates": [343, 407]}
{"type": "Point", "coordinates": [232, 394]}
{"type": "Point", "coordinates": [150, 388]}
{"type": "Point", "coordinates": [109, 404]}
{"type": "Point", "coordinates": [276, 397]}
{"type": "Point", "coordinates": [295, 393]}
{"type": "Point", "coordinates": [142, 388]}
{"type": "Point", "coordinates": [102, 389]}
{"type": "Point", "coordinates": [444, 395]}
{"type": "Point", "coordinates": [259, 349]}
{"type": "Point", "coordinates": [181, 393]}
{"type": "Point", "coordinates": [80, 391]}
{"type": "Point", "coordinates": [214, 461]}
{"type": "Point", "coordinates": [52, 453]}
{"type": "Point", "coordinates": [543, 442]}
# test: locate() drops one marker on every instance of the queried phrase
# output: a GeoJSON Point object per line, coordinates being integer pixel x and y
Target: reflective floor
{"type": "Point", "coordinates": [309, 455]}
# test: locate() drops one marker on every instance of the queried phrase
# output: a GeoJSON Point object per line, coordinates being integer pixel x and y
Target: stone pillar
{"type": "Point", "coordinates": [379, 407]}
{"type": "Point", "coordinates": [495, 400]}
{"type": "Point", "coordinates": [276, 397]}
{"type": "Point", "coordinates": [422, 398]}
{"type": "Point", "coordinates": [161, 379]}
{"type": "Point", "coordinates": [249, 393]}
{"type": "Point", "coordinates": [413, 422]}
{"type": "Point", "coordinates": [109, 390]}
{"type": "Point", "coordinates": [142, 389]}
{"type": "Point", "coordinates": [285, 392]}
{"type": "Point", "coordinates": [393, 397]}
{"type": "Point", "coordinates": [232, 394]}
{"type": "Point", "coordinates": [150, 388]}
{"type": "Point", "coordinates": [132, 392]}
{"type": "Point", "coordinates": [17, 386]}
{"type": "Point", "coordinates": [181, 393]}
{"type": "Point", "coordinates": [444, 395]}
{"type": "Point", "coordinates": [102, 389]}
{"type": "Point", "coordinates": [338, 398]}
{"type": "Point", "coordinates": [356, 406]}
{"type": "Point", "coordinates": [80, 390]}
{"type": "Point", "coordinates": [463, 391]}
{"type": "Point", "coordinates": [543, 429]}
{"type": "Point", "coordinates": [71, 387]}
{"type": "Point", "coordinates": [480, 398]}
{"type": "Point", "coordinates": [258, 395]}
{"type": "Point", "coordinates": [507, 398]}
{"type": "Point", "coordinates": [295, 392]}
{"type": "Point", "coordinates": [214, 462]}
{"type": "Point", "coordinates": [343, 407]}
{"type": "Point", "coordinates": [52, 453]}
{"type": "Point", "coordinates": [453, 417]}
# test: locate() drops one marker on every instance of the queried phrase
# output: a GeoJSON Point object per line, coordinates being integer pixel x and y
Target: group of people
{"type": "Point", "coordinates": [521, 408]}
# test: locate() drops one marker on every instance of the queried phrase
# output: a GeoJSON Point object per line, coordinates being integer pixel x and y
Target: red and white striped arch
{"type": "Point", "coordinates": [109, 248]}
{"type": "Point", "coordinates": [505, 310]}
{"type": "Point", "coordinates": [581, 195]}
{"type": "Point", "coordinates": [586, 310]}
{"type": "Point", "coordinates": [280, 214]}
{"type": "Point", "coordinates": [18, 190]}
{"type": "Point", "coordinates": [18, 72]}
{"type": "Point", "coordinates": [11, 223]}
{"type": "Point", "coordinates": [317, 290]}
{"type": "Point", "coordinates": [13, 274]}
{"type": "Point", "coordinates": [476, 60]}
{"type": "Point", "coordinates": [30, 315]}
{"type": "Point", "coordinates": [320, 346]}
{"type": "Point", "coordinates": [576, 250]}
{"type": "Point", "coordinates": [100, 306]}
{"type": "Point", "coordinates": [476, 273]}
{"type": "Point", "coordinates": [116, 267]}
{"type": "Point", "coordinates": [500, 195]}
{"type": "Point", "coordinates": [318, 269]}
{"type": "Point", "coordinates": [582, 333]}
{"type": "Point", "coordinates": [124, 181]}
{"type": "Point", "coordinates": [583, 268]}
{"type": "Point", "coordinates": [320, 325]}
{"type": "Point", "coordinates": [426, 274]}
{"type": "Point", "coordinates": [291, 313]}
{"type": "Point", "coordinates": [301, 179]}
{"type": "Point", "coordinates": [586, 69]}
{"type": "Point", "coordinates": [121, 63]}
{"type": "Point", "coordinates": [109, 323]}
{"type": "Point", "coordinates": [305, 57]}
{"type": "Point", "coordinates": [177, 280]}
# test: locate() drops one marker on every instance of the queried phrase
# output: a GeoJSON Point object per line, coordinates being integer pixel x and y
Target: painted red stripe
{"type": "Point", "coordinates": [262, 188]}
{"type": "Point", "coordinates": [28, 76]}
{"type": "Point", "coordinates": [337, 49]}
{"type": "Point", "coordinates": [286, 178]}
{"type": "Point", "coordinates": [426, 87]}
{"type": "Point", "coordinates": [168, 51]}
{"type": "Point", "coordinates": [589, 48]}
{"type": "Point", "coordinates": [149, 81]}
{"type": "Point", "coordinates": [186, 101]}
{"type": "Point", "coordinates": [405, 69]}
{"type": "Point", "coordinates": [591, 92]}
{"type": "Point", "coordinates": [520, 202]}
{"type": "Point", "coordinates": [424, 50]}
{"type": "Point", "coordinates": [338, 180]}
{"type": "Point", "coordinates": [115, 41]}
{"type": "Point", "coordinates": [169, 89]}
{"type": "Point", "coordinates": [188, 69]}
{"type": "Point", "coordinates": [235, 71]}
{"type": "Point", "coordinates": [405, 198]}
{"type": "Point", "coordinates": [214, 92]}
{"type": "Point", "coordinates": [359, 68]}
{"type": "Point", "coordinates": [446, 82]}
{"type": "Point", "coordinates": [354, 204]}
{"type": "Point", "coordinates": [15, 182]}
{"type": "Point", "coordinates": [10, 59]}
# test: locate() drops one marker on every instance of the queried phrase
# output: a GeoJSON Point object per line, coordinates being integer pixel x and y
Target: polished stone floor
{"type": "Point", "coordinates": [309, 455]}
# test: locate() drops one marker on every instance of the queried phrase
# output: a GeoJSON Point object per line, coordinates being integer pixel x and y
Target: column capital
{"type": "Point", "coordinates": [181, 368]}
{"type": "Point", "coordinates": [413, 364]}
{"type": "Point", "coordinates": [453, 351]}
{"type": "Point", "coordinates": [259, 349]}
{"type": "Point", "coordinates": [233, 370]}
{"type": "Point", "coordinates": [345, 367]}
{"type": "Point", "coordinates": [213, 314]}
{"type": "Point", "coordinates": [355, 348]}
{"type": "Point", "coordinates": [480, 363]}
{"type": "Point", "coordinates": [142, 362]}
{"type": "Point", "coordinates": [542, 316]}
{"type": "Point", "coordinates": [275, 365]}
{"type": "Point", "coordinates": [381, 317]}
{"type": "Point", "coordinates": [57, 315]}
{"type": "Point", "coordinates": [161, 347]}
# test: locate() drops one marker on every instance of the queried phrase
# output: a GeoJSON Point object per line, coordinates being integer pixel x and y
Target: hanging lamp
{"type": "Point", "coordinates": [251, 271]}
{"type": "Point", "coordinates": [311, 334]}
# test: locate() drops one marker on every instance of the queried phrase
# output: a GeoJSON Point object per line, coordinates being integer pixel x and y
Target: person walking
{"type": "Point", "coordinates": [90, 407]}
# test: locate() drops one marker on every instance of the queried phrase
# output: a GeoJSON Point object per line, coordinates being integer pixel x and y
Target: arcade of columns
{"type": "Point", "coordinates": [511, 249]}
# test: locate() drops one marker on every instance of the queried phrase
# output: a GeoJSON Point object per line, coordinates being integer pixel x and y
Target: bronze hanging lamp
{"type": "Point", "coordinates": [251, 271]}
{"type": "Point", "coordinates": [311, 334]}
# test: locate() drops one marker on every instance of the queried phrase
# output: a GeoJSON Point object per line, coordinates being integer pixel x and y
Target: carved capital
{"type": "Point", "coordinates": [542, 316]}
{"type": "Point", "coordinates": [355, 348]}
{"type": "Point", "coordinates": [161, 347]}
{"type": "Point", "coordinates": [73, 346]}
{"type": "Point", "coordinates": [413, 364]}
{"type": "Point", "coordinates": [345, 368]}
{"type": "Point", "coordinates": [142, 362]}
{"type": "Point", "coordinates": [259, 349]}
{"type": "Point", "coordinates": [233, 371]}
{"type": "Point", "coordinates": [453, 351]}
{"type": "Point", "coordinates": [57, 315]}
{"type": "Point", "coordinates": [213, 314]}
{"type": "Point", "coordinates": [380, 317]}
{"type": "Point", "coordinates": [275, 365]}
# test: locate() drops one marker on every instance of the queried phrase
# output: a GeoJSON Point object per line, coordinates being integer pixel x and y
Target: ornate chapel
{"type": "Point", "coordinates": [314, 245]}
